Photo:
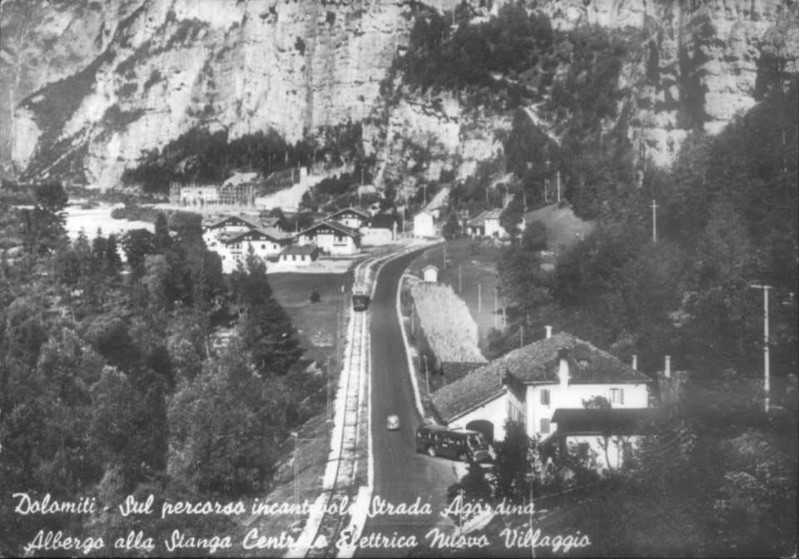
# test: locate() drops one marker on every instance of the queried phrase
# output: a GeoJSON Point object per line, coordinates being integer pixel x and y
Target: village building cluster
{"type": "Point", "coordinates": [340, 234]}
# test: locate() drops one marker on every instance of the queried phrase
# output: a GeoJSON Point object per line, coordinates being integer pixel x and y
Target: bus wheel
{"type": "Point", "coordinates": [431, 450]}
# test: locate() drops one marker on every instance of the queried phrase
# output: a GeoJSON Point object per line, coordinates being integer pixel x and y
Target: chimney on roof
{"type": "Point", "coordinates": [635, 361]}
{"type": "Point", "coordinates": [549, 331]}
{"type": "Point", "coordinates": [563, 367]}
{"type": "Point", "coordinates": [667, 367]}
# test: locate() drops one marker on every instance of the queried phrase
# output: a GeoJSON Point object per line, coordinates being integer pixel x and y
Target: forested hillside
{"type": "Point", "coordinates": [726, 218]}
{"type": "Point", "coordinates": [111, 383]}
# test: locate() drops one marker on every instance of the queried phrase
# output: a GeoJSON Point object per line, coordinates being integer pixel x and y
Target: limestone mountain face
{"type": "Point", "coordinates": [700, 64]}
{"type": "Point", "coordinates": [92, 86]}
{"type": "Point", "coordinates": [698, 67]}
{"type": "Point", "coordinates": [175, 64]}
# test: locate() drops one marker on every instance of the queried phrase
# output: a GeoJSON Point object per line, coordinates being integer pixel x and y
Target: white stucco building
{"type": "Point", "coordinates": [532, 384]}
{"type": "Point", "coordinates": [430, 273]}
{"type": "Point", "coordinates": [486, 224]}
{"type": "Point", "coordinates": [353, 218]}
{"type": "Point", "coordinates": [232, 237]}
{"type": "Point", "coordinates": [424, 225]}
{"type": "Point", "coordinates": [264, 244]}
{"type": "Point", "coordinates": [227, 225]}
{"type": "Point", "coordinates": [331, 238]}
{"type": "Point", "coordinates": [198, 195]}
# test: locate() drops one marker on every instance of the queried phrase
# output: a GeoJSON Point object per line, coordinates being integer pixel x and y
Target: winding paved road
{"type": "Point", "coordinates": [400, 474]}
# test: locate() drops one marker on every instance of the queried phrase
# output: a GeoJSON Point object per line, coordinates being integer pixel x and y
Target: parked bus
{"type": "Point", "coordinates": [458, 444]}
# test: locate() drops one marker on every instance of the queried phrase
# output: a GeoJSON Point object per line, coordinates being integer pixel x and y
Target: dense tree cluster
{"type": "Point", "coordinates": [471, 56]}
{"type": "Point", "coordinates": [205, 157]}
{"type": "Point", "coordinates": [111, 383]}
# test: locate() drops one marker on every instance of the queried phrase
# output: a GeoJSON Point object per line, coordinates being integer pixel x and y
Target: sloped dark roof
{"type": "Point", "coordinates": [617, 421]}
{"type": "Point", "coordinates": [467, 393]}
{"type": "Point", "coordinates": [534, 363]}
{"type": "Point", "coordinates": [334, 225]}
{"type": "Point", "coordinates": [539, 362]}
{"type": "Point", "coordinates": [269, 221]}
{"type": "Point", "coordinates": [477, 220]}
{"type": "Point", "coordinates": [351, 209]}
{"type": "Point", "coordinates": [268, 232]}
{"type": "Point", "coordinates": [222, 221]}
{"type": "Point", "coordinates": [480, 219]}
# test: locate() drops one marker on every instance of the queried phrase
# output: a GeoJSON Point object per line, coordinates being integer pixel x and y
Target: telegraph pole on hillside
{"type": "Point", "coordinates": [546, 182]}
{"type": "Point", "coordinates": [558, 181]}
{"type": "Point", "coordinates": [654, 207]}
{"type": "Point", "coordinates": [329, 403]}
{"type": "Point", "coordinates": [496, 312]}
{"type": "Point", "coordinates": [766, 360]}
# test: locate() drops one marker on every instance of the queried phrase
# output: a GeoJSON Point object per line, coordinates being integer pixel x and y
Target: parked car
{"type": "Point", "coordinates": [393, 423]}
{"type": "Point", "coordinates": [458, 444]}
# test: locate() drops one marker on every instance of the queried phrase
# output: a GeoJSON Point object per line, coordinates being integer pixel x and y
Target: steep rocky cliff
{"type": "Point", "coordinates": [95, 85]}
{"type": "Point", "coordinates": [699, 64]}
{"type": "Point", "coordinates": [174, 64]}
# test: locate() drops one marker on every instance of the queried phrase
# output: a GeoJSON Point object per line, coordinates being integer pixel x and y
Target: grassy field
{"type": "Point", "coordinates": [316, 322]}
{"type": "Point", "coordinates": [472, 273]}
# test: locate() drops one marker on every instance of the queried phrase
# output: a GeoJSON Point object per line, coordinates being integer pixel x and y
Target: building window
{"type": "Point", "coordinates": [293, 257]}
{"type": "Point", "coordinates": [617, 396]}
{"type": "Point", "coordinates": [626, 452]}
{"type": "Point", "coordinates": [544, 426]}
{"type": "Point", "coordinates": [582, 451]}
{"type": "Point", "coordinates": [544, 396]}
{"type": "Point", "coordinates": [263, 245]}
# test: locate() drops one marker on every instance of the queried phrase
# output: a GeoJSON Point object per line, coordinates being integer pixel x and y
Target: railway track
{"type": "Point", "coordinates": [342, 490]}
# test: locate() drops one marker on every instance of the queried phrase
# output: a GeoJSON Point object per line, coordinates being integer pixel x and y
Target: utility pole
{"type": "Point", "coordinates": [558, 181]}
{"type": "Point", "coordinates": [654, 207]}
{"type": "Point", "coordinates": [329, 405]}
{"type": "Point", "coordinates": [495, 308]}
{"type": "Point", "coordinates": [296, 471]}
{"type": "Point", "coordinates": [532, 510]}
{"type": "Point", "coordinates": [766, 364]}
{"type": "Point", "coordinates": [426, 373]}
{"type": "Point", "coordinates": [360, 191]}
{"type": "Point", "coordinates": [546, 182]}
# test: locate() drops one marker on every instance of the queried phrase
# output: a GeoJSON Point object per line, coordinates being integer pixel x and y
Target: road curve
{"type": "Point", "coordinates": [400, 474]}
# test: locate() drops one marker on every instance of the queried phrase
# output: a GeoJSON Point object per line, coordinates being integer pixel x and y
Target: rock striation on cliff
{"type": "Point", "coordinates": [92, 86]}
